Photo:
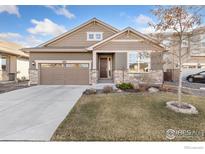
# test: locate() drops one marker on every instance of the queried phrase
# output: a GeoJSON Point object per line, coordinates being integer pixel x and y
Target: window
{"type": "Point", "coordinates": [203, 40]}
{"type": "Point", "coordinates": [184, 42]}
{"type": "Point", "coordinates": [166, 42]}
{"type": "Point", "coordinates": [51, 65]}
{"type": "Point", "coordinates": [72, 65]}
{"type": "Point", "coordinates": [98, 36]}
{"type": "Point", "coordinates": [90, 36]}
{"type": "Point", "coordinates": [94, 36]}
{"type": "Point", "coordinates": [4, 62]}
{"type": "Point", "coordinates": [138, 62]}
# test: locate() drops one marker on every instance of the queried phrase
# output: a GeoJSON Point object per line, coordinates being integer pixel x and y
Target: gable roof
{"type": "Point", "coordinates": [77, 28]}
{"type": "Point", "coordinates": [12, 48]}
{"type": "Point", "coordinates": [121, 32]}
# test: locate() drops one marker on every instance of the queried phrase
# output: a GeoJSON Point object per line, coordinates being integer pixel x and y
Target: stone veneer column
{"type": "Point", "coordinates": [120, 76]}
{"type": "Point", "coordinates": [93, 76]}
{"type": "Point", "coordinates": [34, 76]}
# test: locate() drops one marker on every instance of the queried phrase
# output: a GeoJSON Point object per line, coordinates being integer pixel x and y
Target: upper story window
{"type": "Point", "coordinates": [139, 62]}
{"type": "Point", "coordinates": [167, 43]}
{"type": "Point", "coordinates": [203, 40]}
{"type": "Point", "coordinates": [184, 42]}
{"type": "Point", "coordinates": [94, 36]}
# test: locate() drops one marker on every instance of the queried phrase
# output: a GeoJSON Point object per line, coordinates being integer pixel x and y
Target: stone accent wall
{"type": "Point", "coordinates": [153, 77]}
{"type": "Point", "coordinates": [93, 77]}
{"type": "Point", "coordinates": [33, 76]}
{"type": "Point", "coordinates": [120, 76]}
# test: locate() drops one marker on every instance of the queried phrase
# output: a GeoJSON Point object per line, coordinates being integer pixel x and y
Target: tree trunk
{"type": "Point", "coordinates": [180, 73]}
{"type": "Point", "coordinates": [180, 84]}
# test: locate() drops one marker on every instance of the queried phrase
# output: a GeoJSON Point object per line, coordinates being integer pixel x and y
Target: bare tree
{"type": "Point", "coordinates": [180, 20]}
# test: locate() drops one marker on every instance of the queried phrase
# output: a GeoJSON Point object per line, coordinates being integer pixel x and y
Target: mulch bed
{"type": "Point", "coordinates": [13, 86]}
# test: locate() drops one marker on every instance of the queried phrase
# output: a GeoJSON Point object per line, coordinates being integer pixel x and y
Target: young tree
{"type": "Point", "coordinates": [180, 20]}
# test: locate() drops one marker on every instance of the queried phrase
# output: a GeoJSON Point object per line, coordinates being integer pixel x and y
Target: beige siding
{"type": "Point", "coordinates": [127, 46]}
{"type": "Point", "coordinates": [79, 37]}
{"type": "Point", "coordinates": [117, 44]}
{"type": "Point", "coordinates": [156, 61]}
{"type": "Point", "coordinates": [59, 56]}
{"type": "Point", "coordinates": [127, 35]}
{"type": "Point", "coordinates": [120, 61]}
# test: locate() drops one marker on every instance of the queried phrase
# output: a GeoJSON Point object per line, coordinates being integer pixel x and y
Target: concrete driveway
{"type": "Point", "coordinates": [34, 113]}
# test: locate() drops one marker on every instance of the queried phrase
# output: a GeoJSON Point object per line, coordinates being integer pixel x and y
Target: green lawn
{"type": "Point", "coordinates": [129, 117]}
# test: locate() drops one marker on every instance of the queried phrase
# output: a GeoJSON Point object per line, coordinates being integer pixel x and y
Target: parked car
{"type": "Point", "coordinates": [199, 77]}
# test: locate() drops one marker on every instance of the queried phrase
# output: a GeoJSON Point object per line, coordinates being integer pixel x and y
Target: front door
{"type": "Point", "coordinates": [103, 67]}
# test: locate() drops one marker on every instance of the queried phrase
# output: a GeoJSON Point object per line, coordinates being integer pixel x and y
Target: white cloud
{"type": "Point", "coordinates": [46, 27]}
{"type": "Point", "coordinates": [25, 41]}
{"type": "Point", "coordinates": [142, 19]}
{"type": "Point", "coordinates": [146, 30]}
{"type": "Point", "coordinates": [8, 36]}
{"type": "Point", "coordinates": [29, 41]}
{"type": "Point", "coordinates": [62, 10]}
{"type": "Point", "coordinates": [10, 9]}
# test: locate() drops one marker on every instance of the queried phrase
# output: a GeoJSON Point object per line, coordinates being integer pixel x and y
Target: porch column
{"type": "Point", "coordinates": [94, 60]}
{"type": "Point", "coordinates": [94, 76]}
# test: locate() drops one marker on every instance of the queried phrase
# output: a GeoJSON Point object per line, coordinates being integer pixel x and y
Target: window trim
{"type": "Point", "coordinates": [201, 40]}
{"type": "Point", "coordinates": [185, 39]}
{"type": "Point", "coordinates": [38, 62]}
{"type": "Point", "coordinates": [94, 38]}
{"type": "Point", "coordinates": [137, 72]}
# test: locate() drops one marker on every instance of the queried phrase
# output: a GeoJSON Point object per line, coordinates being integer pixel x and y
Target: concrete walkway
{"type": "Point", "coordinates": [34, 113]}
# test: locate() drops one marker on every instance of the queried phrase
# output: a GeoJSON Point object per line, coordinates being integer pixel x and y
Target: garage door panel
{"type": "Point", "coordinates": [64, 76]}
{"type": "Point", "coordinates": [52, 76]}
{"type": "Point", "coordinates": [77, 76]}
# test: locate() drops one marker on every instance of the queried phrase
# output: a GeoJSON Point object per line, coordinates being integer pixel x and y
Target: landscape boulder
{"type": "Point", "coordinates": [153, 90]}
{"type": "Point", "coordinates": [90, 91]}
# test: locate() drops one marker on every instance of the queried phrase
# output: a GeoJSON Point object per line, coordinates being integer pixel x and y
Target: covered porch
{"type": "Point", "coordinates": [123, 66]}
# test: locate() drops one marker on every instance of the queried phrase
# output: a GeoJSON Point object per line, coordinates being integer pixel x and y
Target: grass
{"type": "Point", "coordinates": [129, 117]}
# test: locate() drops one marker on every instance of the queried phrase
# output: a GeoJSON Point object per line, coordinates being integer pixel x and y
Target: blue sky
{"type": "Point", "coordinates": [26, 24]}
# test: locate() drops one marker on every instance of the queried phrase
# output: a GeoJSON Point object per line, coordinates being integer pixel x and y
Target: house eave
{"type": "Point", "coordinates": [28, 50]}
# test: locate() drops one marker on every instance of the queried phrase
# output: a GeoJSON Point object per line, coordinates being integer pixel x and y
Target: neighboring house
{"type": "Point", "coordinates": [96, 52]}
{"type": "Point", "coordinates": [193, 52]}
{"type": "Point", "coordinates": [14, 63]}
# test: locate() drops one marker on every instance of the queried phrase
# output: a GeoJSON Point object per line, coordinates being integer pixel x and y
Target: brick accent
{"type": "Point", "coordinates": [34, 76]}
{"type": "Point", "coordinates": [153, 77]}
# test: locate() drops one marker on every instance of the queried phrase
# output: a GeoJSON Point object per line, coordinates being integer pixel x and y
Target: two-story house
{"type": "Point", "coordinates": [192, 55]}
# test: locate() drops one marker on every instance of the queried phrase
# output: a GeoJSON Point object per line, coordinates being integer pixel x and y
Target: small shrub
{"type": "Point", "coordinates": [125, 86]}
{"type": "Point", "coordinates": [108, 89]}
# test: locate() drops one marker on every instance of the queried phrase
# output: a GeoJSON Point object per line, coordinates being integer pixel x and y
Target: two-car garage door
{"type": "Point", "coordinates": [64, 74]}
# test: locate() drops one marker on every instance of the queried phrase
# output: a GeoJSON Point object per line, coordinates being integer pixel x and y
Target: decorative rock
{"type": "Point", "coordinates": [153, 90]}
{"type": "Point", "coordinates": [181, 107]}
{"type": "Point", "coordinates": [119, 90]}
{"type": "Point", "coordinates": [90, 91]}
